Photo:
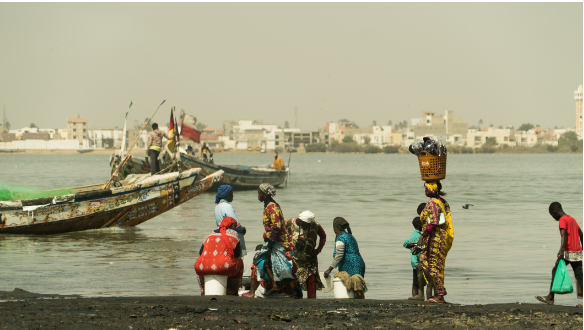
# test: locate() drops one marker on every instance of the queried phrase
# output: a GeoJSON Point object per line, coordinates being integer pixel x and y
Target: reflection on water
{"type": "Point", "coordinates": [503, 249]}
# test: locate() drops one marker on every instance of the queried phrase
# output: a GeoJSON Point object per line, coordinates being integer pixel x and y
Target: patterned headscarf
{"type": "Point", "coordinates": [225, 224]}
{"type": "Point", "coordinates": [268, 189]}
{"type": "Point", "coordinates": [339, 225]}
{"type": "Point", "coordinates": [223, 192]}
{"type": "Point", "coordinates": [431, 188]}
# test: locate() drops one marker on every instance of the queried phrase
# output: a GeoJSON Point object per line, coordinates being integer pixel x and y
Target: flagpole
{"type": "Point", "coordinates": [175, 137]}
{"type": "Point", "coordinates": [125, 122]}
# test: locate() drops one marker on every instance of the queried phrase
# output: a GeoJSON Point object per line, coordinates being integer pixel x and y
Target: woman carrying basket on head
{"type": "Point", "coordinates": [220, 254]}
{"type": "Point", "coordinates": [436, 239]}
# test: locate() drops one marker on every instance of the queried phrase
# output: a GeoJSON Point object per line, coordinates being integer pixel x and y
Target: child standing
{"type": "Point", "coordinates": [411, 243]}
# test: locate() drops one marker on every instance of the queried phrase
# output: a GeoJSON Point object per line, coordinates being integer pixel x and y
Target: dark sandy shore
{"type": "Point", "coordinates": [20, 309]}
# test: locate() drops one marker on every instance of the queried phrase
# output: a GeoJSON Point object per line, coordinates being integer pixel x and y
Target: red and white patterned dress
{"type": "Point", "coordinates": [215, 260]}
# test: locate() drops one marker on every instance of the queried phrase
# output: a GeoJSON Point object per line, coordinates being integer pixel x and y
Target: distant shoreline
{"type": "Point", "coordinates": [139, 152]}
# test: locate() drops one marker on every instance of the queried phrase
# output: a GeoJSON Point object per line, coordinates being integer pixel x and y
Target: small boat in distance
{"type": "Point", "coordinates": [239, 176]}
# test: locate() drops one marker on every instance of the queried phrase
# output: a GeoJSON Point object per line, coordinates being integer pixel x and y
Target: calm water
{"type": "Point", "coordinates": [504, 246]}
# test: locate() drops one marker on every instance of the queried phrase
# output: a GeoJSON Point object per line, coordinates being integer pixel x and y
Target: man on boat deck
{"type": "Point", "coordinates": [204, 150]}
{"type": "Point", "coordinates": [278, 163]}
{"type": "Point", "coordinates": [154, 146]}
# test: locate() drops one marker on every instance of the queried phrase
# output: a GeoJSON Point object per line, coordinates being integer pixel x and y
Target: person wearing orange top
{"type": "Point", "coordinates": [278, 163]}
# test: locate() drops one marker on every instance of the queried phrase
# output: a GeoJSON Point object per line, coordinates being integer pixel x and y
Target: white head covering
{"type": "Point", "coordinates": [307, 216]}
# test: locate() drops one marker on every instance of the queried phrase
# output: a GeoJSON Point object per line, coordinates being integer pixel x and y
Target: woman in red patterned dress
{"type": "Point", "coordinates": [220, 254]}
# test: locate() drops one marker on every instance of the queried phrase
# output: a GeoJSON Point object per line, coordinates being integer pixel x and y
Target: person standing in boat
{"type": "Point", "coordinates": [224, 209]}
{"type": "Point", "coordinates": [204, 150]}
{"type": "Point", "coordinates": [278, 163]}
{"type": "Point", "coordinates": [154, 146]}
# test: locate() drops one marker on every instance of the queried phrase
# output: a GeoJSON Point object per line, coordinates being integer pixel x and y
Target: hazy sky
{"type": "Point", "coordinates": [505, 63]}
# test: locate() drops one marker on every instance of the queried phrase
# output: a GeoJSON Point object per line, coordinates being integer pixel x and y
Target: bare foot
{"type": "Point", "coordinates": [417, 297]}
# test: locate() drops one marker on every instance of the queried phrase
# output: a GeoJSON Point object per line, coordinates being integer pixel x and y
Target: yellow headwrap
{"type": "Point", "coordinates": [431, 188]}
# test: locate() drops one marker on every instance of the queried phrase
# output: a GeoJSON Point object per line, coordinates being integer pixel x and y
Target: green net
{"type": "Point", "coordinates": [14, 193]}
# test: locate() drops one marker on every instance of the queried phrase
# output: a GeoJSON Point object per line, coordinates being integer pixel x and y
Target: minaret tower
{"type": "Point", "coordinates": [578, 98]}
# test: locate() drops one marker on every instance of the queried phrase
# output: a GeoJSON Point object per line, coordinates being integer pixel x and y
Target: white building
{"type": "Point", "coordinates": [253, 133]}
{"type": "Point", "coordinates": [476, 138]}
{"type": "Point", "coordinates": [379, 136]}
{"type": "Point", "coordinates": [20, 131]}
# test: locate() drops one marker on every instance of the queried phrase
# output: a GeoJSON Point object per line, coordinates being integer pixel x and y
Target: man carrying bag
{"type": "Point", "coordinates": [570, 253]}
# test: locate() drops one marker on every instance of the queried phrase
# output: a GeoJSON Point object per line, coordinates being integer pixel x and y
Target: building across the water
{"type": "Point", "coordinates": [77, 129]}
{"type": "Point", "coordinates": [578, 98]}
{"type": "Point", "coordinates": [436, 125]}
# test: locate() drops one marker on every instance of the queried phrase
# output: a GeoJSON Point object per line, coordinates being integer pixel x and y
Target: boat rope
{"type": "Point", "coordinates": [128, 153]}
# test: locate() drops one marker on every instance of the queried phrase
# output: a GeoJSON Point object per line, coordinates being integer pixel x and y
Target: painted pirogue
{"type": "Point", "coordinates": [136, 199]}
{"type": "Point", "coordinates": [238, 176]}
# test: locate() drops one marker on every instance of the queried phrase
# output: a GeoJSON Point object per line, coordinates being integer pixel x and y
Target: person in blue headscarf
{"type": "Point", "coordinates": [224, 209]}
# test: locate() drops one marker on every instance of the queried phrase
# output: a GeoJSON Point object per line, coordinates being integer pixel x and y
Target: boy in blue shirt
{"type": "Point", "coordinates": [411, 243]}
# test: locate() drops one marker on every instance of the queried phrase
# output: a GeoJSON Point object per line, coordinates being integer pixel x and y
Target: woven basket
{"type": "Point", "coordinates": [432, 168]}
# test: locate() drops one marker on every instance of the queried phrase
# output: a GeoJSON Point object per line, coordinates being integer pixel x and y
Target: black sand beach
{"type": "Point", "coordinates": [20, 309]}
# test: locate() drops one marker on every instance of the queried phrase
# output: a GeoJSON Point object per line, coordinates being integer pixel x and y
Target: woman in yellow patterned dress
{"type": "Point", "coordinates": [271, 261]}
{"type": "Point", "coordinates": [436, 239]}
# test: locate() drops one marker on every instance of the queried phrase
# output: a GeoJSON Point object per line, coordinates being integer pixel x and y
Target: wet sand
{"type": "Point", "coordinates": [24, 310]}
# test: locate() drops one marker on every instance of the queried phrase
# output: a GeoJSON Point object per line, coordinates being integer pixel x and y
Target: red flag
{"type": "Point", "coordinates": [188, 128]}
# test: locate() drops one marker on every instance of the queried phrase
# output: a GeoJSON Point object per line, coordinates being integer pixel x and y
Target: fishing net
{"type": "Point", "coordinates": [13, 193]}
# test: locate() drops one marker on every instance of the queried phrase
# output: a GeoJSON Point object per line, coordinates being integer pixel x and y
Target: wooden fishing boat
{"type": "Point", "coordinates": [133, 200]}
{"type": "Point", "coordinates": [239, 176]}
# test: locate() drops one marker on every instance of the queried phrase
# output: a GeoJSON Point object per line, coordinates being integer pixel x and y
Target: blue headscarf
{"type": "Point", "coordinates": [223, 192]}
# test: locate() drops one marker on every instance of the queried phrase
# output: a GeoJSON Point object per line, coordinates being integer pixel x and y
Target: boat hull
{"type": "Point", "coordinates": [127, 206]}
{"type": "Point", "coordinates": [239, 177]}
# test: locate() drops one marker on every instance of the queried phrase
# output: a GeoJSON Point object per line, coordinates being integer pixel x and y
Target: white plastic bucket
{"type": "Point", "coordinates": [327, 282]}
{"type": "Point", "coordinates": [340, 290]}
{"type": "Point", "coordinates": [215, 285]}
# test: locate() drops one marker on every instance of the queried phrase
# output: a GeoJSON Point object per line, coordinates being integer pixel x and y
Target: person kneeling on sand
{"type": "Point", "coordinates": [220, 254]}
{"type": "Point", "coordinates": [570, 248]}
{"type": "Point", "coordinates": [262, 287]}
{"type": "Point", "coordinates": [411, 243]}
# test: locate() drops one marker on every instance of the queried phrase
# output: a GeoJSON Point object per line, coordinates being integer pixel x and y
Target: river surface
{"type": "Point", "coordinates": [503, 251]}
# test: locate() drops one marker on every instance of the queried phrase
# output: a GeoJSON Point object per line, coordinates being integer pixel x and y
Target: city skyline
{"type": "Point", "coordinates": [503, 63]}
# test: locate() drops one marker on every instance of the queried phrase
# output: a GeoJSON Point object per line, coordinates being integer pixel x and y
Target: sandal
{"type": "Point", "coordinates": [248, 295]}
{"type": "Point", "coordinates": [433, 300]}
{"type": "Point", "coordinates": [544, 300]}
